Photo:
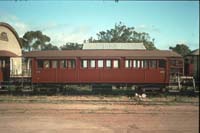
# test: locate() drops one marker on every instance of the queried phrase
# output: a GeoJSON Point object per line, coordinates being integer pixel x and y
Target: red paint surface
{"type": "Point", "coordinates": [99, 75]}
{"type": "Point", "coordinates": [191, 69]}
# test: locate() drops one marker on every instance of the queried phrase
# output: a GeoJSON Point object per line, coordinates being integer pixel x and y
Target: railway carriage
{"type": "Point", "coordinates": [132, 67]}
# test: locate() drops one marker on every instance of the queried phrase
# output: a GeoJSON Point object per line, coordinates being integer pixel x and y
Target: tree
{"type": "Point", "coordinates": [36, 40]}
{"type": "Point", "coordinates": [122, 33]}
{"type": "Point", "coordinates": [181, 49]}
{"type": "Point", "coordinates": [71, 46]}
{"type": "Point", "coordinates": [50, 47]}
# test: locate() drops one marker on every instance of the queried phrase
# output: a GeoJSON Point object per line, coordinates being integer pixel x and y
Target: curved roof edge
{"type": "Point", "coordinates": [12, 30]}
{"type": "Point", "coordinates": [5, 53]}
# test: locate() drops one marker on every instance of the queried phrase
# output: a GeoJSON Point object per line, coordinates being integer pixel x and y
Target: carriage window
{"type": "Point", "coordinates": [92, 63]}
{"type": "Point", "coordinates": [128, 63]}
{"type": "Point", "coordinates": [84, 64]}
{"type": "Point", "coordinates": [142, 64]}
{"type": "Point", "coordinates": [54, 64]}
{"type": "Point", "coordinates": [152, 64]}
{"type": "Point", "coordinates": [115, 63]}
{"type": "Point", "coordinates": [134, 63]}
{"type": "Point", "coordinates": [100, 63]}
{"type": "Point", "coordinates": [162, 63]}
{"type": "Point", "coordinates": [71, 63]}
{"type": "Point", "coordinates": [108, 63]}
{"type": "Point", "coordinates": [145, 63]}
{"type": "Point", "coordinates": [2, 63]}
{"type": "Point", "coordinates": [63, 64]}
{"type": "Point", "coordinates": [40, 63]}
{"type": "Point", "coordinates": [138, 64]}
{"type": "Point", "coordinates": [46, 64]}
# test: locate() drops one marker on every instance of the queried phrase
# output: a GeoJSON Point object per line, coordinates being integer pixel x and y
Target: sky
{"type": "Point", "coordinates": [169, 22]}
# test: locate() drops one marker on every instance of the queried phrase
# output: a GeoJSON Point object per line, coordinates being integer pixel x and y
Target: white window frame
{"type": "Point", "coordinates": [134, 64]}
{"type": "Point", "coordinates": [142, 64]}
{"type": "Point", "coordinates": [127, 64]}
{"type": "Point", "coordinates": [92, 63]}
{"type": "Point", "coordinates": [138, 63]}
{"type": "Point", "coordinates": [84, 63]}
{"type": "Point", "coordinates": [100, 63]}
{"type": "Point", "coordinates": [115, 63]}
{"type": "Point", "coordinates": [108, 63]}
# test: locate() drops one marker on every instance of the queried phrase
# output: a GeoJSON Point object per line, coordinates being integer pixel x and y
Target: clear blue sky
{"type": "Point", "coordinates": [168, 22]}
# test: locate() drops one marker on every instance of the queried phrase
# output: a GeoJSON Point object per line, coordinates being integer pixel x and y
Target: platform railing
{"type": "Point", "coordinates": [24, 73]}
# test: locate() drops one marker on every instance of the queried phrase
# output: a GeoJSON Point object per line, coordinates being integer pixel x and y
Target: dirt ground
{"type": "Point", "coordinates": [90, 118]}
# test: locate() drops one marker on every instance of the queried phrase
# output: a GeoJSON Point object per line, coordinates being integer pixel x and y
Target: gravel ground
{"type": "Point", "coordinates": [98, 118]}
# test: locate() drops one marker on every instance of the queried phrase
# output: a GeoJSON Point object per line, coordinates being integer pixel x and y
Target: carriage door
{"type": "Point", "coordinates": [54, 70]}
{"type": "Point", "coordinates": [4, 69]}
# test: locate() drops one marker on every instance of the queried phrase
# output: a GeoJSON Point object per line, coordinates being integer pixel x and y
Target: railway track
{"type": "Point", "coordinates": [133, 101]}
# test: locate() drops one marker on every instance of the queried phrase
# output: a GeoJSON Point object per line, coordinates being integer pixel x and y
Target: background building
{"type": "Point", "coordinates": [10, 52]}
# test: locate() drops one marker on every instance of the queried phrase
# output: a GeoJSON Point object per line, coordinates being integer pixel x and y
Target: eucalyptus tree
{"type": "Point", "coordinates": [122, 33]}
{"type": "Point", "coordinates": [35, 40]}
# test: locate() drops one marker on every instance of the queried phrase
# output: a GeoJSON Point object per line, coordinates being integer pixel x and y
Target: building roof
{"type": "Point", "coordinates": [195, 52]}
{"type": "Point", "coordinates": [12, 30]}
{"type": "Point", "coordinates": [124, 46]}
{"type": "Point", "coordinates": [58, 54]}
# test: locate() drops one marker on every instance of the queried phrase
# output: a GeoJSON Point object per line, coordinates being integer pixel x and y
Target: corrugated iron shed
{"type": "Point", "coordinates": [122, 46]}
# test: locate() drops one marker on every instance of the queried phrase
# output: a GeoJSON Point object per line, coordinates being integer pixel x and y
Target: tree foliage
{"type": "Point", "coordinates": [50, 47]}
{"type": "Point", "coordinates": [71, 46]}
{"type": "Point", "coordinates": [181, 49]}
{"type": "Point", "coordinates": [122, 33]}
{"type": "Point", "coordinates": [36, 40]}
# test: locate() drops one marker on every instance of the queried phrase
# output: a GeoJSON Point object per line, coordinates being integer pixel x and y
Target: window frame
{"type": "Point", "coordinates": [52, 64]}
{"type": "Point", "coordinates": [128, 62]}
{"type": "Point", "coordinates": [106, 65]}
{"type": "Point", "coordinates": [90, 63]}
{"type": "Point", "coordinates": [41, 66]}
{"type": "Point", "coordinates": [151, 64]}
{"type": "Point", "coordinates": [84, 64]}
{"type": "Point", "coordinates": [71, 63]}
{"type": "Point", "coordinates": [118, 64]}
{"type": "Point", "coordinates": [49, 62]}
{"type": "Point", "coordinates": [161, 66]}
{"type": "Point", "coordinates": [145, 64]}
{"type": "Point", "coordinates": [65, 65]}
{"type": "Point", "coordinates": [101, 64]}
